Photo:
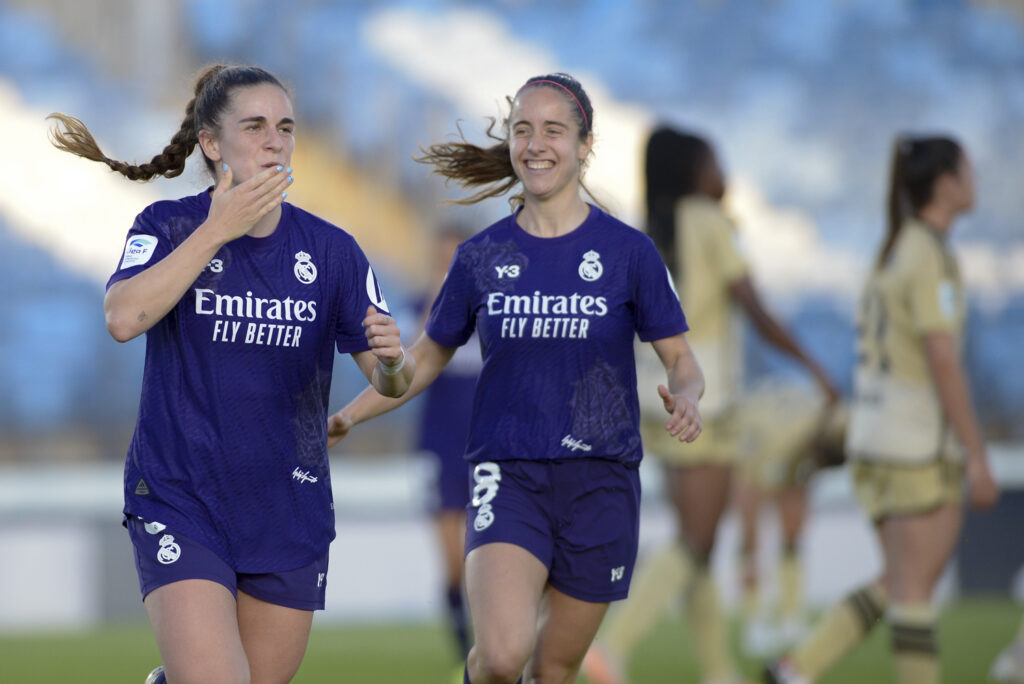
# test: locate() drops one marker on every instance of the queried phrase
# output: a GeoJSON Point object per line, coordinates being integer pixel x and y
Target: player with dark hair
{"type": "Point", "coordinates": [685, 218]}
{"type": "Point", "coordinates": [243, 299]}
{"type": "Point", "coordinates": [557, 292]}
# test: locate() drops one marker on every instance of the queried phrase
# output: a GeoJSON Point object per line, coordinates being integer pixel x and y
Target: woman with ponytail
{"type": "Point", "coordinates": [557, 291]}
{"type": "Point", "coordinates": [243, 298]}
{"type": "Point", "coordinates": [913, 438]}
{"type": "Point", "coordinates": [685, 185]}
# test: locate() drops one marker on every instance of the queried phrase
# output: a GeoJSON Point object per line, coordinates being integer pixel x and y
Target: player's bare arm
{"type": "Point", "coordinates": [428, 358]}
{"type": "Point", "coordinates": [954, 394]}
{"type": "Point", "coordinates": [685, 386]}
{"type": "Point", "coordinates": [134, 305]}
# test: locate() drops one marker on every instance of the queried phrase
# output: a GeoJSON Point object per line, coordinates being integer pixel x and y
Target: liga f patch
{"type": "Point", "coordinates": [138, 250]}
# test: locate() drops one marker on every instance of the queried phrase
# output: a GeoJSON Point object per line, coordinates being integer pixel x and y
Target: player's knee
{"type": "Point", "coordinates": [499, 663]}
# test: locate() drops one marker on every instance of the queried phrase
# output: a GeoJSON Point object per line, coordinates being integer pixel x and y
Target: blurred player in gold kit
{"type": "Point", "coordinates": [787, 432]}
{"type": "Point", "coordinates": [685, 186]}
{"type": "Point", "coordinates": [913, 435]}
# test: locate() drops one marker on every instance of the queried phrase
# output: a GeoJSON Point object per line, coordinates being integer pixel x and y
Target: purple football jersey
{"type": "Point", "coordinates": [230, 446]}
{"type": "Point", "coordinates": [557, 319]}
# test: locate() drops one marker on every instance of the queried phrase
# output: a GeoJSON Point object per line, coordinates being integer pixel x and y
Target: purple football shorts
{"type": "Point", "coordinates": [163, 556]}
{"type": "Point", "coordinates": [579, 517]}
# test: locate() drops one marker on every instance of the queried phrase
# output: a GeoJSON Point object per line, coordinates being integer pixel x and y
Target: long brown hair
{"type": "Point", "coordinates": [474, 166]}
{"type": "Point", "coordinates": [673, 162]}
{"type": "Point", "coordinates": [211, 95]}
{"type": "Point", "coordinates": [916, 164]}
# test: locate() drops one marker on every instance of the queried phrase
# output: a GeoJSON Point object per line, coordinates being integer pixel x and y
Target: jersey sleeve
{"type": "Point", "coordinates": [656, 304]}
{"type": "Point", "coordinates": [358, 290]}
{"type": "Point", "coordinates": [452, 319]}
{"type": "Point", "coordinates": [932, 292]}
{"type": "Point", "coordinates": [147, 243]}
{"type": "Point", "coordinates": [725, 248]}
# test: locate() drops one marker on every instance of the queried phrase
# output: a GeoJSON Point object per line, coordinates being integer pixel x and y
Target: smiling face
{"type": "Point", "coordinates": [544, 143]}
{"type": "Point", "coordinates": [255, 132]}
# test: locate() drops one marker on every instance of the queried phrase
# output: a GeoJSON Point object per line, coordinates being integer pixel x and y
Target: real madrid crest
{"type": "Point", "coordinates": [169, 550]}
{"type": "Point", "coordinates": [591, 268]}
{"type": "Point", "coordinates": [305, 271]}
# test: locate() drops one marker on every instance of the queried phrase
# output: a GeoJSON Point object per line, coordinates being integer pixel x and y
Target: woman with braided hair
{"type": "Point", "coordinates": [557, 292]}
{"type": "Point", "coordinates": [243, 298]}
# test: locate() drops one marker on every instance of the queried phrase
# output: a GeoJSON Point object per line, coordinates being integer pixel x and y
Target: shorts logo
{"type": "Point", "coordinates": [155, 527]}
{"type": "Point", "coordinates": [138, 250]}
{"type": "Point", "coordinates": [305, 271]}
{"type": "Point", "coordinates": [591, 268]}
{"type": "Point", "coordinates": [320, 579]}
{"type": "Point", "coordinates": [169, 551]}
{"type": "Point", "coordinates": [487, 476]}
{"type": "Point", "coordinates": [617, 573]}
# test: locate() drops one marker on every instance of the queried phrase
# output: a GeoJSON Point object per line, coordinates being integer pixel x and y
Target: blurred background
{"type": "Point", "coordinates": [801, 97]}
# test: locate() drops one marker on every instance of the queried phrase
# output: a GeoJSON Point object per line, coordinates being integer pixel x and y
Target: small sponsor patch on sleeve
{"type": "Point", "coordinates": [373, 291]}
{"type": "Point", "coordinates": [947, 298]}
{"type": "Point", "coordinates": [671, 283]}
{"type": "Point", "coordinates": [138, 250]}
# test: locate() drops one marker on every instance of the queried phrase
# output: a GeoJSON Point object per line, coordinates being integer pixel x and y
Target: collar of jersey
{"type": "Point", "coordinates": [571, 235]}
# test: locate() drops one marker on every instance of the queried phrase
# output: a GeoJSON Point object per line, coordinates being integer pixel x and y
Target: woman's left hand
{"type": "Point", "coordinates": [685, 422]}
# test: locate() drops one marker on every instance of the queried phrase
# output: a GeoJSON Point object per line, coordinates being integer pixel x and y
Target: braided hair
{"type": "Point", "coordinates": [211, 96]}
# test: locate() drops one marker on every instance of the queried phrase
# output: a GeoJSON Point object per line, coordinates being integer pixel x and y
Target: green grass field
{"type": "Point", "coordinates": [972, 632]}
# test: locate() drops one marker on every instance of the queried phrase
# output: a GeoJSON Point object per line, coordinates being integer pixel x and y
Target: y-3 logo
{"type": "Point", "coordinates": [617, 573]}
{"type": "Point", "coordinates": [510, 271]}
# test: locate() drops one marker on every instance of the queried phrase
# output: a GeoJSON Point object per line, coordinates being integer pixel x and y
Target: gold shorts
{"type": "Point", "coordinates": [886, 490]}
{"type": "Point", "coordinates": [777, 471]}
{"type": "Point", "coordinates": [718, 442]}
{"type": "Point", "coordinates": [776, 442]}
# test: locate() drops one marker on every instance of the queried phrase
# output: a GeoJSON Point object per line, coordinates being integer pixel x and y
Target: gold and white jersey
{"type": "Point", "coordinates": [896, 416]}
{"type": "Point", "coordinates": [708, 261]}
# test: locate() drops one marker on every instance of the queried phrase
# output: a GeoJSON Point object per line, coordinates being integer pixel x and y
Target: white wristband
{"type": "Point", "coordinates": [392, 369]}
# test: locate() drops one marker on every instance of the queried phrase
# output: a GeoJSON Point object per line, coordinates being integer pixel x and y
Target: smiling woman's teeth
{"type": "Point", "coordinates": [539, 165]}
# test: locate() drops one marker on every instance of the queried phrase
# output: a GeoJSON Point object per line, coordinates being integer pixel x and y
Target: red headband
{"type": "Point", "coordinates": [586, 122]}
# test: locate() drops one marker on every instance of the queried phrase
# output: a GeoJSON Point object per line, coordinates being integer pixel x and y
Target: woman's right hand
{"type": "Point", "coordinates": [235, 210]}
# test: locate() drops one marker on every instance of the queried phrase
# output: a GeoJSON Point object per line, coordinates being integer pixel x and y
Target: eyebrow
{"type": "Point", "coordinates": [263, 119]}
{"type": "Point", "coordinates": [546, 123]}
